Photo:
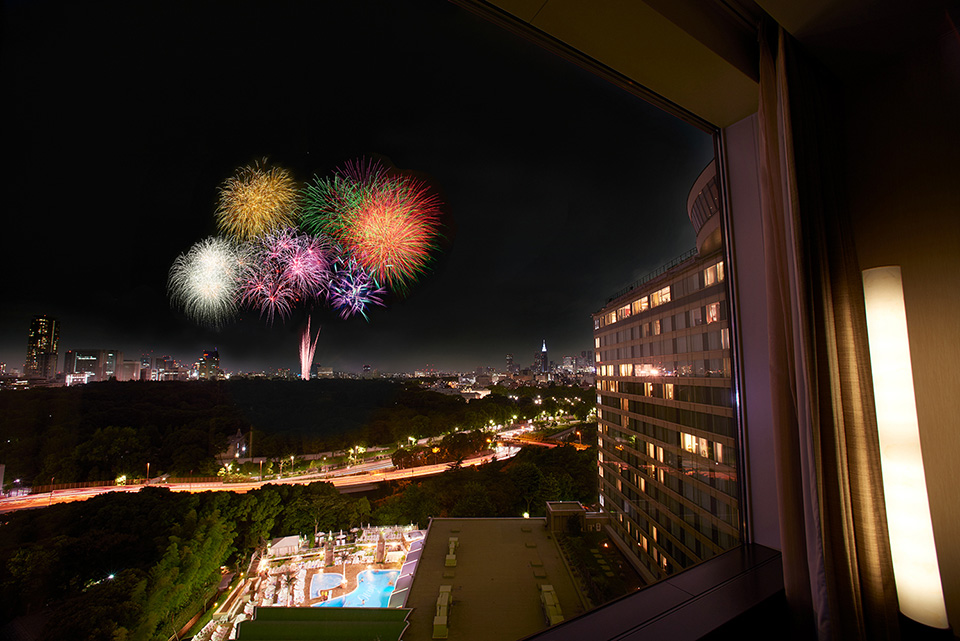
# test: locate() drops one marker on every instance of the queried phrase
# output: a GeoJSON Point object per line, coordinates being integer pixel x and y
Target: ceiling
{"type": "Point", "coordinates": [700, 56]}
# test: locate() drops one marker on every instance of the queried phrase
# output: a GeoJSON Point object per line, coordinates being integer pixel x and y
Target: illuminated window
{"type": "Point", "coordinates": [668, 390]}
{"type": "Point", "coordinates": [626, 369]}
{"type": "Point", "coordinates": [596, 342]}
{"type": "Point", "coordinates": [623, 312]}
{"type": "Point", "coordinates": [656, 327]}
{"type": "Point", "coordinates": [660, 296]}
{"type": "Point", "coordinates": [713, 274]}
{"type": "Point", "coordinates": [640, 305]}
{"type": "Point", "coordinates": [713, 312]}
{"type": "Point", "coordinates": [648, 389]}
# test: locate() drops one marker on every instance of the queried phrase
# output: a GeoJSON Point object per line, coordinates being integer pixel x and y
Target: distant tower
{"type": "Point", "coordinates": [509, 362]}
{"type": "Point", "coordinates": [42, 342]}
{"type": "Point", "coordinates": [544, 362]}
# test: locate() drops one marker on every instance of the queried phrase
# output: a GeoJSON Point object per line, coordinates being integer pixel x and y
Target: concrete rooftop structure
{"type": "Point", "coordinates": [500, 566]}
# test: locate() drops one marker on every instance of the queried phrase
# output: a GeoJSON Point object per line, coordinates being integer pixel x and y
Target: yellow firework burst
{"type": "Point", "coordinates": [257, 200]}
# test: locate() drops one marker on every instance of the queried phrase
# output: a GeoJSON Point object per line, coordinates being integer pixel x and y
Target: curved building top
{"type": "Point", "coordinates": [703, 205]}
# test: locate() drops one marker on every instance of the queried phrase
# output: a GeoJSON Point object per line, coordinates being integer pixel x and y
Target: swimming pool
{"type": "Point", "coordinates": [373, 591]}
{"type": "Point", "coordinates": [324, 581]}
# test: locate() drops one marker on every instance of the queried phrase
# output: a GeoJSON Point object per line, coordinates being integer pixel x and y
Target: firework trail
{"type": "Point", "coordinates": [352, 290]}
{"type": "Point", "coordinates": [284, 268]}
{"type": "Point", "coordinates": [387, 223]}
{"type": "Point", "coordinates": [203, 281]}
{"type": "Point", "coordinates": [257, 200]}
{"type": "Point", "coordinates": [307, 350]}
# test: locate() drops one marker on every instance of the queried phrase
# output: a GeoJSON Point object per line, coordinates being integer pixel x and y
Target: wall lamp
{"type": "Point", "coordinates": [915, 568]}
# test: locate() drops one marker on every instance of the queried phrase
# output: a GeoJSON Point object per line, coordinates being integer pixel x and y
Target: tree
{"type": "Point", "coordinates": [527, 478]}
{"type": "Point", "coordinates": [473, 502]}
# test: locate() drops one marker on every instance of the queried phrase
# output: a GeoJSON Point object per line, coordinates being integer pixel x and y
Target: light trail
{"type": "Point", "coordinates": [367, 474]}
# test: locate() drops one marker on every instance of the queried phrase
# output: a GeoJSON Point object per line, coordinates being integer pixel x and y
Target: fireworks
{"type": "Point", "coordinates": [203, 282]}
{"type": "Point", "coordinates": [257, 200]}
{"type": "Point", "coordinates": [285, 267]}
{"type": "Point", "coordinates": [352, 290]}
{"type": "Point", "coordinates": [388, 224]}
{"type": "Point", "coordinates": [365, 229]}
{"type": "Point", "coordinates": [307, 350]}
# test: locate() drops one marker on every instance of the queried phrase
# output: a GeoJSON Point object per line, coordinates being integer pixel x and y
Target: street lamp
{"type": "Point", "coordinates": [148, 473]}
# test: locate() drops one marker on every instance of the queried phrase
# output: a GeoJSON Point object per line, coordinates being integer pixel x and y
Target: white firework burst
{"type": "Point", "coordinates": [203, 281]}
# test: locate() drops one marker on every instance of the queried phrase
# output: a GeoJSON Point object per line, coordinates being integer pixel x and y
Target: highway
{"type": "Point", "coordinates": [354, 478]}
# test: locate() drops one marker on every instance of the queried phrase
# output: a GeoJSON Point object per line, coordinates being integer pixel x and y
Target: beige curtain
{"type": "Point", "coordinates": [837, 571]}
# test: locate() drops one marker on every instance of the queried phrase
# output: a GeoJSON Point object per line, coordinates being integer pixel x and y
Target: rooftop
{"type": "Point", "coordinates": [495, 584]}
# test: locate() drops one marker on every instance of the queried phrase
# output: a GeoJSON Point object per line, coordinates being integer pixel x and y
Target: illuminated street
{"type": "Point", "coordinates": [360, 475]}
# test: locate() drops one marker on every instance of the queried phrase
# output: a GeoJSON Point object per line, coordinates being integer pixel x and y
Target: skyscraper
{"type": "Point", "coordinates": [667, 465]}
{"type": "Point", "coordinates": [544, 361]}
{"type": "Point", "coordinates": [209, 365]}
{"type": "Point", "coordinates": [42, 340]}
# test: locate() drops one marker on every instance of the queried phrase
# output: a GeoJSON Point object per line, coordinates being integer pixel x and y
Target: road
{"type": "Point", "coordinates": [368, 474]}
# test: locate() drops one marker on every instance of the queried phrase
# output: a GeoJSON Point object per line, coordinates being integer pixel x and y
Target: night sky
{"type": "Point", "coordinates": [121, 119]}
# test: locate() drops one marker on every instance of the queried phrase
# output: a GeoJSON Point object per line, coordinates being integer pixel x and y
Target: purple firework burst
{"type": "Point", "coordinates": [353, 289]}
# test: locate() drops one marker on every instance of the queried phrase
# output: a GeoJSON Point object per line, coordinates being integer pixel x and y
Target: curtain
{"type": "Point", "coordinates": [837, 571]}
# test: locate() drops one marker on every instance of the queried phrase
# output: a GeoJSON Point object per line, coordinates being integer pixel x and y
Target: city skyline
{"type": "Point", "coordinates": [532, 155]}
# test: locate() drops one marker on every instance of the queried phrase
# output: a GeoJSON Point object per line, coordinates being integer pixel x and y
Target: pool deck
{"type": "Point", "coordinates": [500, 564]}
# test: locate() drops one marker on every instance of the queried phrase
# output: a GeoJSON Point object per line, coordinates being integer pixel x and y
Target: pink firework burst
{"type": "Point", "coordinates": [283, 268]}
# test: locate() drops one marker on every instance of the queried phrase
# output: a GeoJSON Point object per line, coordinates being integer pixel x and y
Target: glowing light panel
{"type": "Point", "coordinates": [915, 566]}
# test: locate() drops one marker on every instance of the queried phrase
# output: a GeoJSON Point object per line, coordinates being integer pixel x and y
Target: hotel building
{"type": "Point", "coordinates": [667, 460]}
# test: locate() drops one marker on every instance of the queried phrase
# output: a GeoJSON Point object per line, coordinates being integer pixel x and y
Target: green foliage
{"type": "Point", "coordinates": [99, 431]}
{"type": "Point", "coordinates": [506, 488]}
{"type": "Point", "coordinates": [164, 550]}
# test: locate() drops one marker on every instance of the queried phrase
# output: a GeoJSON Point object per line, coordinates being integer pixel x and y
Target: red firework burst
{"type": "Point", "coordinates": [392, 232]}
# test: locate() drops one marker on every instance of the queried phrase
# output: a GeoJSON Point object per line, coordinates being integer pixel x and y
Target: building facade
{"type": "Point", "coordinates": [42, 340]}
{"type": "Point", "coordinates": [88, 365]}
{"type": "Point", "coordinates": [667, 429]}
